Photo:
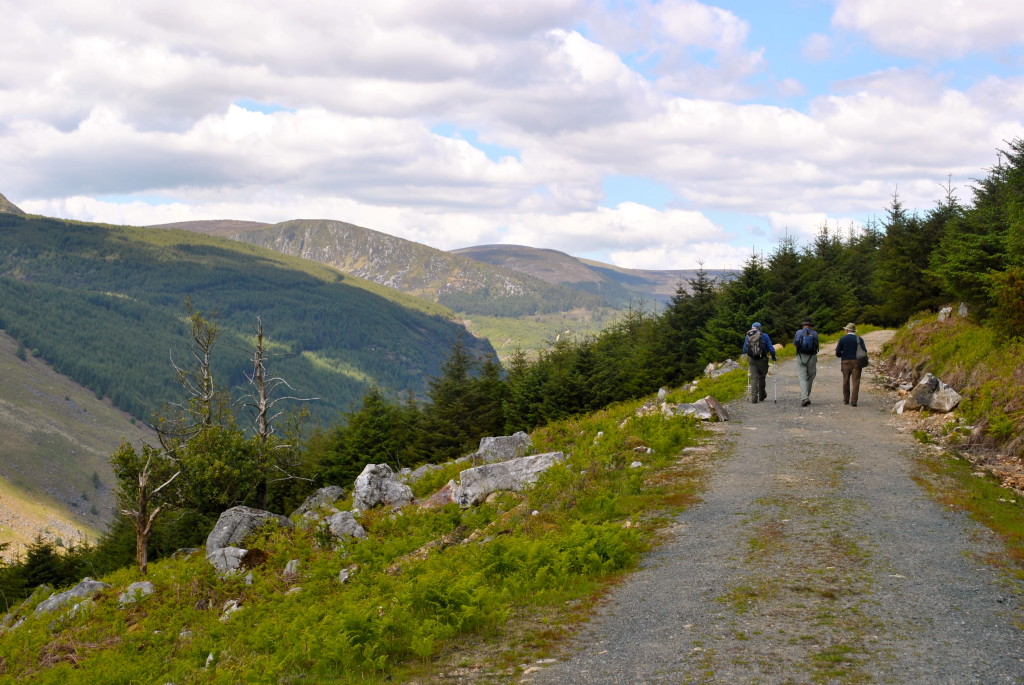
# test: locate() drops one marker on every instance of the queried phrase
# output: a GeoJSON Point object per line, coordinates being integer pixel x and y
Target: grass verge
{"type": "Point", "coordinates": [432, 593]}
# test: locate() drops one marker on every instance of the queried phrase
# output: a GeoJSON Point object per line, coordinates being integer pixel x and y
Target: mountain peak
{"type": "Point", "coordinates": [8, 207]}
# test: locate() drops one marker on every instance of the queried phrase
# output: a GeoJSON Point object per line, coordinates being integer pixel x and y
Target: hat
{"type": "Point", "coordinates": [852, 327]}
{"type": "Point", "coordinates": [755, 325]}
{"type": "Point", "coordinates": [806, 322]}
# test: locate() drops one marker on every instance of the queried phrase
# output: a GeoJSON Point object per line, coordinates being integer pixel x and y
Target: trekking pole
{"type": "Point", "coordinates": [776, 383]}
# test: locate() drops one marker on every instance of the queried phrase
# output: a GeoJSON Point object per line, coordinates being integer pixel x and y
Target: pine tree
{"type": "Point", "coordinates": [742, 301]}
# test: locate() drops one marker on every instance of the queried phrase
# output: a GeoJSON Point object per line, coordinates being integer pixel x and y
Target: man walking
{"type": "Point", "coordinates": [757, 346]}
{"type": "Point", "coordinates": [846, 349]}
{"type": "Point", "coordinates": [806, 343]}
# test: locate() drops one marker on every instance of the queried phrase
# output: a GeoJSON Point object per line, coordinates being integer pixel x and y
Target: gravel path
{"type": "Point", "coordinates": [813, 558]}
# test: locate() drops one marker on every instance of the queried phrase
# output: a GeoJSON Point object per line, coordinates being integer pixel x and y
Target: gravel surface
{"type": "Point", "coordinates": [812, 558]}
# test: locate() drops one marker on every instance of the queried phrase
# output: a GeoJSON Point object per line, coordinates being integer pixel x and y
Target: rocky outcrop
{"type": "Point", "coordinates": [344, 525]}
{"type": "Point", "coordinates": [322, 499]}
{"type": "Point", "coordinates": [502, 448]}
{"type": "Point", "coordinates": [86, 589]}
{"type": "Point", "coordinates": [238, 523]}
{"type": "Point", "coordinates": [932, 394]}
{"type": "Point", "coordinates": [715, 370]}
{"type": "Point", "coordinates": [223, 548]}
{"type": "Point", "coordinates": [376, 486]}
{"type": "Point", "coordinates": [515, 474]}
{"type": "Point", "coordinates": [136, 591]}
{"type": "Point", "coordinates": [705, 409]}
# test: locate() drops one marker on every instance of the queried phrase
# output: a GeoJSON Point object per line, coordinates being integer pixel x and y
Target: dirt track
{"type": "Point", "coordinates": [813, 558]}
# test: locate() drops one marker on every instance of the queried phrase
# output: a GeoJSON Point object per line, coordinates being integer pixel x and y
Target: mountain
{"type": "Point", "coordinates": [104, 306]}
{"type": "Point", "coordinates": [617, 285]}
{"type": "Point", "coordinates": [8, 207]}
{"type": "Point", "coordinates": [463, 284]}
{"type": "Point", "coordinates": [57, 437]}
{"type": "Point", "coordinates": [219, 227]}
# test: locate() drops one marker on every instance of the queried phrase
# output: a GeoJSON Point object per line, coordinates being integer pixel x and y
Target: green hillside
{"type": "Point", "coordinates": [104, 305]}
{"type": "Point", "coordinates": [55, 445]}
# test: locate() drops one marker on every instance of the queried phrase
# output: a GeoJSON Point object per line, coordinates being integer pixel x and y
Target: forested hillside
{"type": "Point", "coordinates": [105, 306]}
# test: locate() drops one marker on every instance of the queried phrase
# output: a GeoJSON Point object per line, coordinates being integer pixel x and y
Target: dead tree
{"type": "Point", "coordinates": [261, 402]}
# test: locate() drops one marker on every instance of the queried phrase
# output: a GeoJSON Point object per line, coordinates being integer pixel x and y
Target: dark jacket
{"type": "Point", "coordinates": [813, 334]}
{"type": "Point", "coordinates": [769, 348]}
{"type": "Point", "coordinates": [846, 348]}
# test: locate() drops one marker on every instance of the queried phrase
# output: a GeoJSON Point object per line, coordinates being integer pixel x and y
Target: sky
{"type": "Point", "coordinates": [643, 133]}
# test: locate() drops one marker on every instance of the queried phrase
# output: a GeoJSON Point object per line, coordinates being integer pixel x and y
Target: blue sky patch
{"type": "Point", "coordinates": [494, 152]}
{"type": "Point", "coordinates": [619, 189]}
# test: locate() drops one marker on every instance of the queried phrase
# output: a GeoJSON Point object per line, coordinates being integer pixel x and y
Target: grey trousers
{"type": "Point", "coordinates": [806, 370]}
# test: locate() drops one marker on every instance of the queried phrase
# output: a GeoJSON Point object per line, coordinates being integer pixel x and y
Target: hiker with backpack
{"type": "Point", "coordinates": [758, 346]}
{"type": "Point", "coordinates": [806, 343]}
{"type": "Point", "coordinates": [851, 349]}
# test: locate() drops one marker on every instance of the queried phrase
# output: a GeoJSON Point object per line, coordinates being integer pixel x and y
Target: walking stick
{"type": "Point", "coordinates": [776, 383]}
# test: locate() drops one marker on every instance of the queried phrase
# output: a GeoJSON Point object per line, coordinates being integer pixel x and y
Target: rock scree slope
{"type": "Point", "coordinates": [813, 557]}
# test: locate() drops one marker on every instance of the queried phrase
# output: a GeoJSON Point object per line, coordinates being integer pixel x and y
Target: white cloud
{"type": "Point", "coordinates": [930, 28]}
{"type": "Point", "coordinates": [136, 100]}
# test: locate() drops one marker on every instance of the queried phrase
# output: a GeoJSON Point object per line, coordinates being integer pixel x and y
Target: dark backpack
{"type": "Point", "coordinates": [755, 344]}
{"type": "Point", "coordinates": [807, 341]}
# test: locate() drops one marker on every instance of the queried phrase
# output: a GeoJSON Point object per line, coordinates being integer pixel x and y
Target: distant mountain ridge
{"type": "Point", "coordinates": [463, 284]}
{"type": "Point", "coordinates": [8, 207]}
{"type": "Point", "coordinates": [618, 285]}
{"type": "Point", "coordinates": [491, 280]}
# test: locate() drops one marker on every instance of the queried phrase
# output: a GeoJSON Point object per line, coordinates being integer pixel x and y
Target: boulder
{"type": "Point", "coordinates": [376, 486]}
{"type": "Point", "coordinates": [721, 413]}
{"type": "Point", "coordinates": [232, 528]}
{"type": "Point", "coordinates": [449, 494]}
{"type": "Point", "coordinates": [411, 476]}
{"type": "Point", "coordinates": [698, 409]}
{"type": "Point", "coordinates": [344, 525]}
{"type": "Point", "coordinates": [723, 368]}
{"type": "Point", "coordinates": [932, 394]}
{"type": "Point", "coordinates": [238, 523]}
{"type": "Point", "coordinates": [945, 313]}
{"type": "Point", "coordinates": [502, 448]}
{"type": "Point", "coordinates": [321, 499]}
{"type": "Point", "coordinates": [961, 311]}
{"type": "Point", "coordinates": [86, 589]}
{"type": "Point", "coordinates": [226, 559]}
{"type": "Point", "coordinates": [136, 591]}
{"type": "Point", "coordinates": [514, 474]}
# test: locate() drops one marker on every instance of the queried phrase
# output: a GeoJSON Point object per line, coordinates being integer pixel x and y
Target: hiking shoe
{"type": "Point", "coordinates": [805, 403]}
{"type": "Point", "coordinates": [853, 404]}
{"type": "Point", "coordinates": [764, 397]}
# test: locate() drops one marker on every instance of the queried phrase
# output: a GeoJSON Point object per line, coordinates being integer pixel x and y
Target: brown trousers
{"type": "Point", "coordinates": [851, 380]}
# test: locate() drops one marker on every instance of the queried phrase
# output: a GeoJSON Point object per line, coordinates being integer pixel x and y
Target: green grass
{"type": "Point", "coordinates": [952, 481]}
{"type": "Point", "coordinates": [539, 562]}
{"type": "Point", "coordinates": [534, 333]}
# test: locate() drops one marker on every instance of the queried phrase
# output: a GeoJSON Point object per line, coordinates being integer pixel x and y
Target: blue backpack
{"type": "Point", "coordinates": [806, 341]}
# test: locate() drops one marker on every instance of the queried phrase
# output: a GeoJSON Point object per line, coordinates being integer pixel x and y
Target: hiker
{"type": "Point", "coordinates": [806, 343]}
{"type": "Point", "coordinates": [846, 349]}
{"type": "Point", "coordinates": [757, 346]}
